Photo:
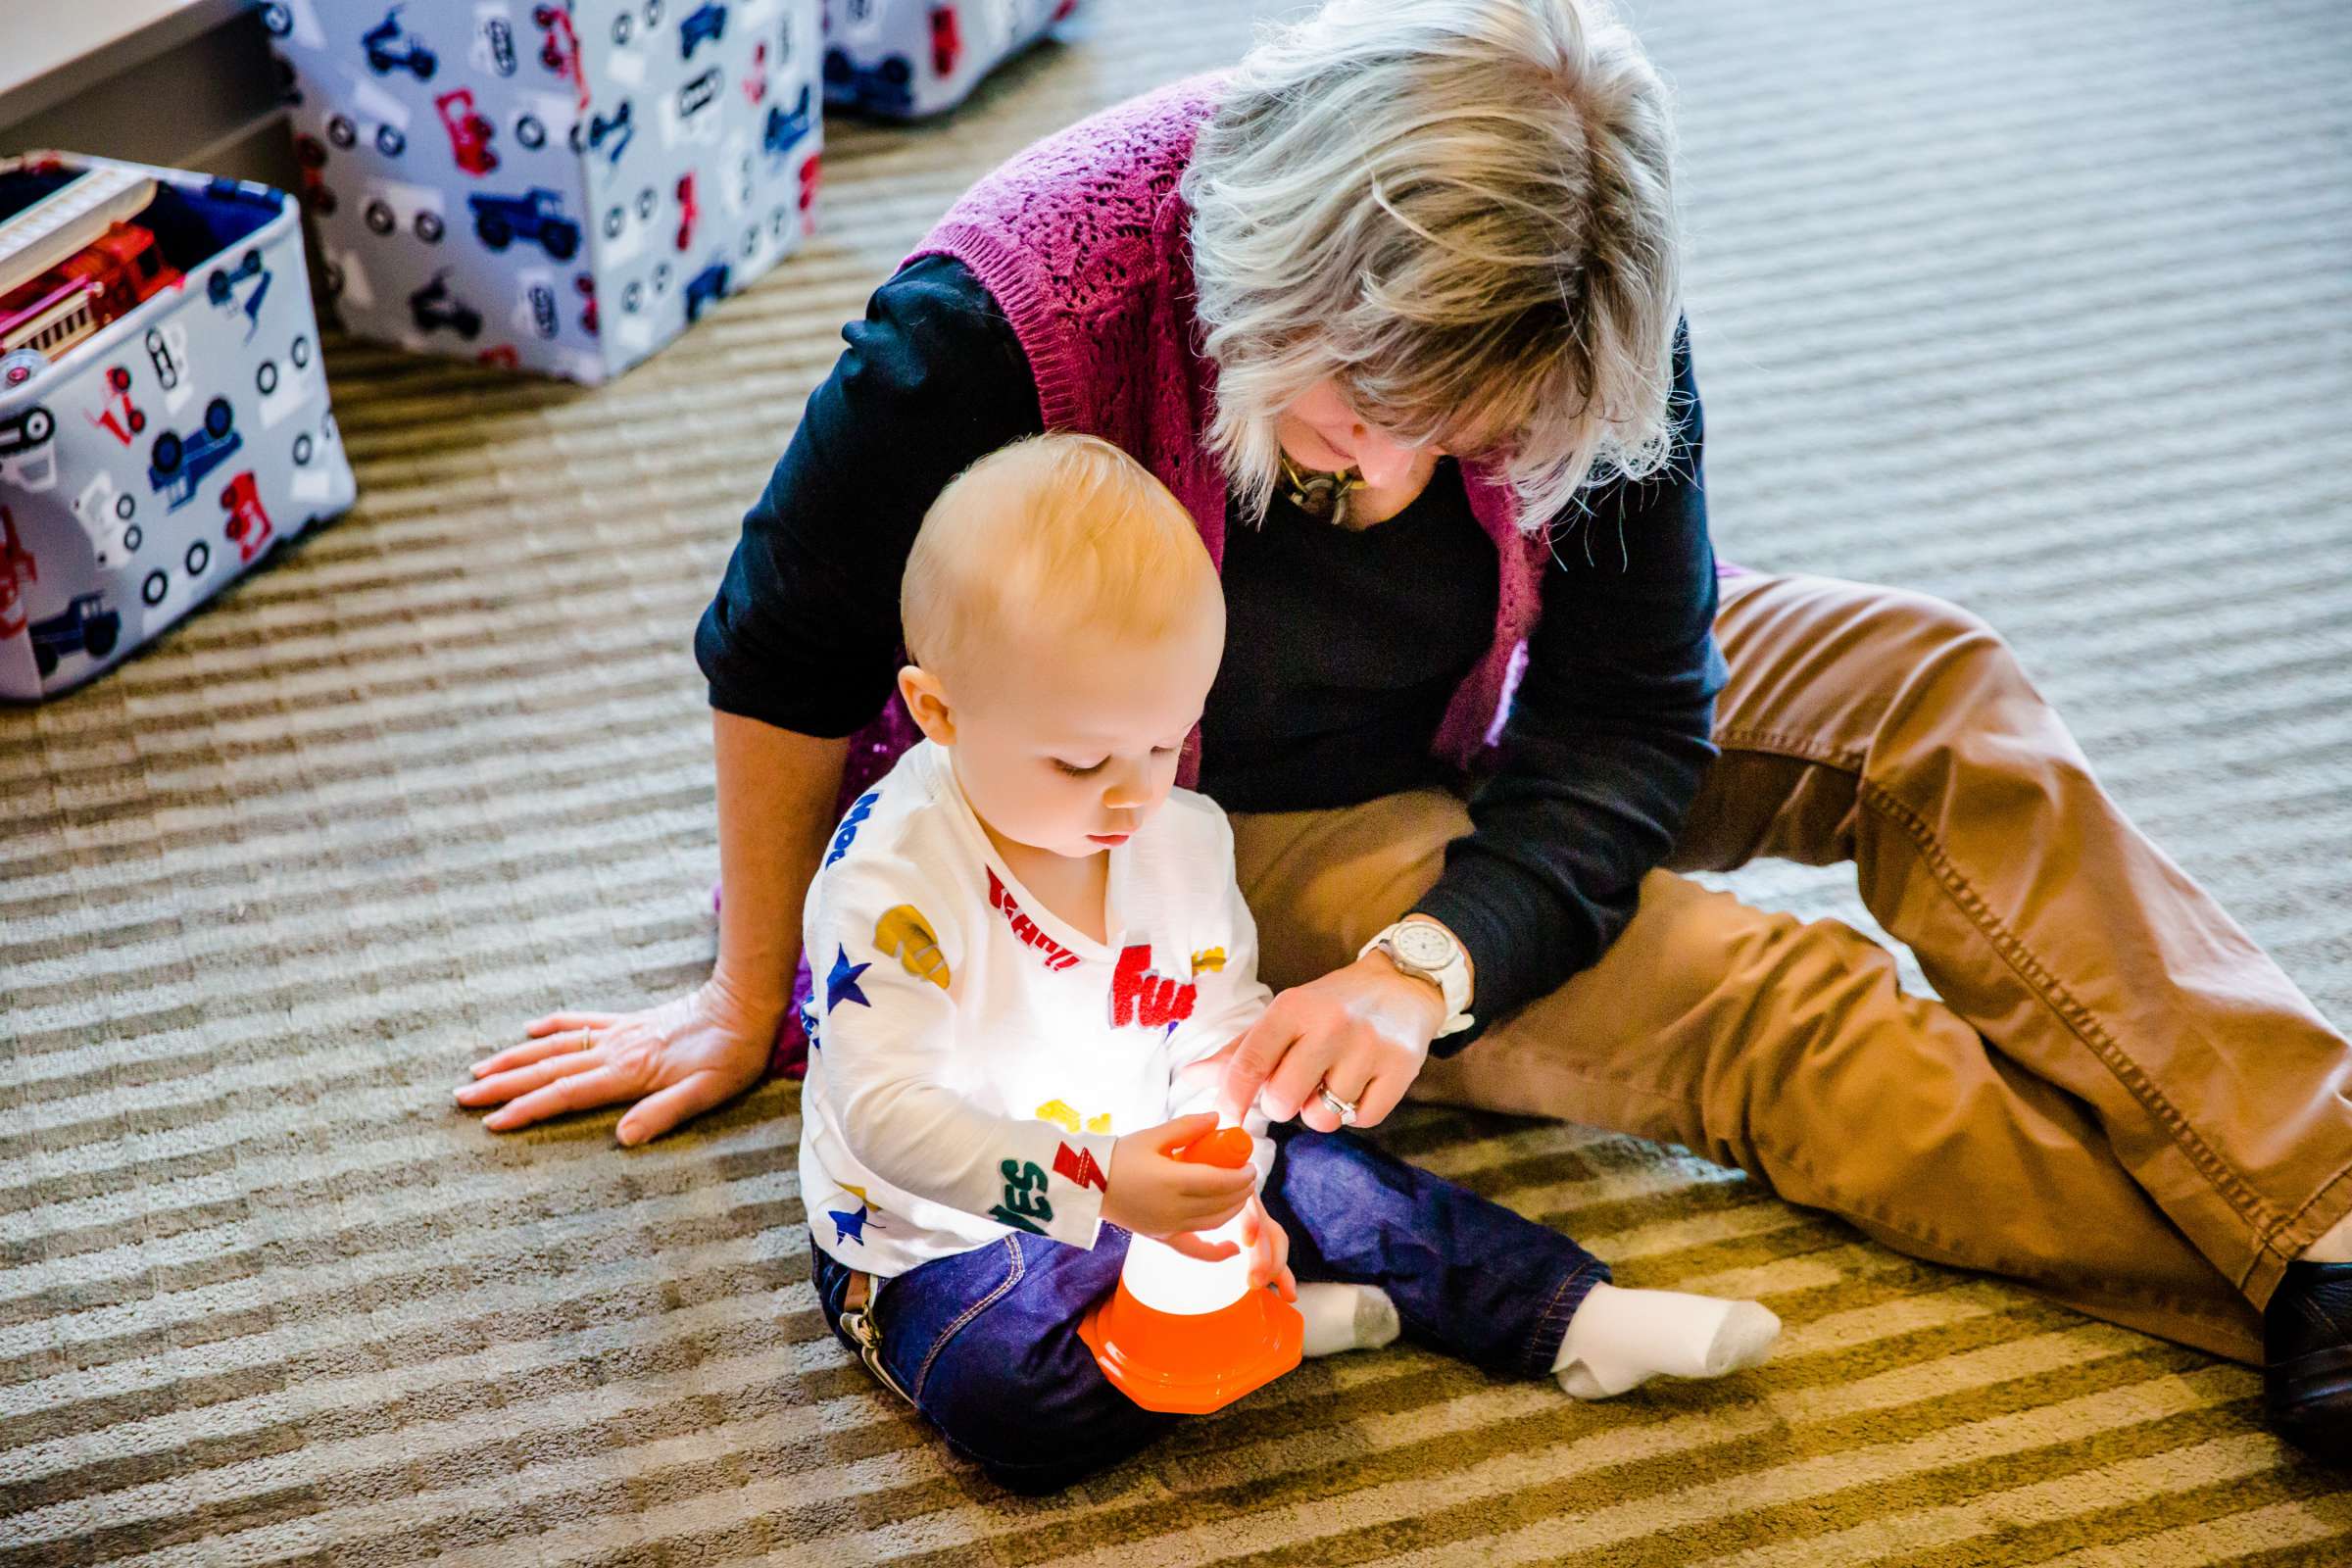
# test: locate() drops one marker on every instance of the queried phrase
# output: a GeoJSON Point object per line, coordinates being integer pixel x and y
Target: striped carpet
{"type": "Point", "coordinates": [2047, 307]}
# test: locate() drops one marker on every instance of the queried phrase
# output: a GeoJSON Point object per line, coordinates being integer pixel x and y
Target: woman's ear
{"type": "Point", "coordinates": [927, 701]}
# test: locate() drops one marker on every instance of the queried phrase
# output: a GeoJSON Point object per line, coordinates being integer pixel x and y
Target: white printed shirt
{"type": "Point", "coordinates": [972, 1057]}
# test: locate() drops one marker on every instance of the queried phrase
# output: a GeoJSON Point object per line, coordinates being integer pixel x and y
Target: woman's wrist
{"type": "Point", "coordinates": [776, 791]}
{"type": "Point", "coordinates": [1411, 1002]}
{"type": "Point", "coordinates": [752, 1007]}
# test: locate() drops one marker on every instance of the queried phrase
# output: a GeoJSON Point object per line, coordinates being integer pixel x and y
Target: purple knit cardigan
{"type": "Point", "coordinates": [1083, 241]}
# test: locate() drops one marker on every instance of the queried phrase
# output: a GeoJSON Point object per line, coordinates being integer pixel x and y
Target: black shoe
{"type": "Point", "coordinates": [2307, 1351]}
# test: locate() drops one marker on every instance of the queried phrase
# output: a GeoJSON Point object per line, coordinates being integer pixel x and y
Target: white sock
{"type": "Point", "coordinates": [1620, 1338]}
{"type": "Point", "coordinates": [2334, 1244]}
{"type": "Point", "coordinates": [1346, 1317]}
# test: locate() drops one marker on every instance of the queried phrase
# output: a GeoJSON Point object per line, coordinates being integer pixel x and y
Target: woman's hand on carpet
{"type": "Point", "coordinates": [676, 1060]}
{"type": "Point", "coordinates": [1362, 1032]}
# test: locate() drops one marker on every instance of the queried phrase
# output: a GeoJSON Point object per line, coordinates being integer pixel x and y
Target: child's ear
{"type": "Point", "coordinates": [927, 701]}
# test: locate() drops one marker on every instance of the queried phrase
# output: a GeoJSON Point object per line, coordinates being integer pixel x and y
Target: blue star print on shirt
{"type": "Point", "coordinates": [842, 983]}
{"type": "Point", "coordinates": [847, 1227]}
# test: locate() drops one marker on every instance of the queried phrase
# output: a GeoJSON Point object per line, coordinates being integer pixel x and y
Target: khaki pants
{"type": "Point", "coordinates": [2120, 1101]}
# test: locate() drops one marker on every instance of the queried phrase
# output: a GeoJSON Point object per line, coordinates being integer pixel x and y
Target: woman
{"type": "Point", "coordinates": [1393, 309]}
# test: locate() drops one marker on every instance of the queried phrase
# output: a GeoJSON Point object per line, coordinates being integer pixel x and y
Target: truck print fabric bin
{"type": "Point", "coordinates": [908, 58]}
{"type": "Point", "coordinates": [164, 418]}
{"type": "Point", "coordinates": [559, 185]}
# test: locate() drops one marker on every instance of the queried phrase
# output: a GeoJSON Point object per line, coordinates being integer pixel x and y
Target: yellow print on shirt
{"type": "Point", "coordinates": [1063, 1116]}
{"type": "Point", "coordinates": [1209, 960]}
{"type": "Point", "coordinates": [905, 934]}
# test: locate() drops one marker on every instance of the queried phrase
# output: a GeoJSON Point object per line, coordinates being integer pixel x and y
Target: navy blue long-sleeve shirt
{"type": "Point", "coordinates": [1342, 648]}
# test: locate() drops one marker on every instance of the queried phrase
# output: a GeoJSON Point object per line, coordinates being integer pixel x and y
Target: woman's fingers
{"type": "Point", "coordinates": [1380, 1096]}
{"type": "Point", "coordinates": [1292, 1087]}
{"type": "Point", "coordinates": [499, 1088]}
{"type": "Point", "coordinates": [1254, 1058]}
{"type": "Point", "coordinates": [1211, 1069]}
{"type": "Point", "coordinates": [556, 1021]}
{"type": "Point", "coordinates": [600, 1086]}
{"type": "Point", "coordinates": [525, 1055]}
{"type": "Point", "coordinates": [1346, 1079]}
{"type": "Point", "coordinates": [657, 1113]}
{"type": "Point", "coordinates": [684, 1056]}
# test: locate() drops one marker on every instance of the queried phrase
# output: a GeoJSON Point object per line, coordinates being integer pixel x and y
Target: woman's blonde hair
{"type": "Point", "coordinates": [1462, 212]}
{"type": "Point", "coordinates": [1054, 533]}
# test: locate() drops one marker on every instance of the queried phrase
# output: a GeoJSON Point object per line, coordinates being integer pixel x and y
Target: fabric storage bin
{"type": "Point", "coordinates": [164, 418]}
{"type": "Point", "coordinates": [561, 185]}
{"type": "Point", "coordinates": [905, 59]}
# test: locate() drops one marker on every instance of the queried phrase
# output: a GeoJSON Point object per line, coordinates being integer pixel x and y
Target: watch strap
{"type": "Point", "coordinates": [1452, 979]}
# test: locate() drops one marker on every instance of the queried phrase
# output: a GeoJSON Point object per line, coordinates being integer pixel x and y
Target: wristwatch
{"type": "Point", "coordinates": [1427, 952]}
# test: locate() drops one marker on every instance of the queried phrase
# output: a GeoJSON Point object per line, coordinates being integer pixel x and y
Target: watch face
{"type": "Point", "coordinates": [1423, 945]}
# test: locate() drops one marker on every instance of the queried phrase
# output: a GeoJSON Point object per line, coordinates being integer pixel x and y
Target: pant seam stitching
{"type": "Point", "coordinates": [1019, 1267]}
{"type": "Point", "coordinates": [2227, 1182]}
{"type": "Point", "coordinates": [1733, 738]}
{"type": "Point", "coordinates": [2274, 1242]}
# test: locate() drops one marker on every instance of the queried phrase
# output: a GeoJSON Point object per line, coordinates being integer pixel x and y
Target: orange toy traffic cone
{"type": "Point", "coordinates": [1188, 1337]}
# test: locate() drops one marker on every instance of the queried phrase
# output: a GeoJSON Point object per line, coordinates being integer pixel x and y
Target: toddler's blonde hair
{"type": "Point", "coordinates": [1056, 533]}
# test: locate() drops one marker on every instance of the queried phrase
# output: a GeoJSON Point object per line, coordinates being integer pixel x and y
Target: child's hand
{"type": "Point", "coordinates": [1270, 1244]}
{"type": "Point", "coordinates": [1153, 1193]}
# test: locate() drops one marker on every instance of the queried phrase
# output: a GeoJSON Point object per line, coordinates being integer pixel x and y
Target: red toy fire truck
{"type": "Point", "coordinates": [73, 298]}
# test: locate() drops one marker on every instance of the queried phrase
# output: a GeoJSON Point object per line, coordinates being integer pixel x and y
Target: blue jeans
{"type": "Point", "coordinates": [985, 1344]}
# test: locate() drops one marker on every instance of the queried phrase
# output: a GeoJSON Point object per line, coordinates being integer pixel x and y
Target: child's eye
{"type": "Point", "coordinates": [1075, 772]}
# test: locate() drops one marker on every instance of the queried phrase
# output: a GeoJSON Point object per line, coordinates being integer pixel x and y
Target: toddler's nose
{"type": "Point", "coordinates": [1129, 792]}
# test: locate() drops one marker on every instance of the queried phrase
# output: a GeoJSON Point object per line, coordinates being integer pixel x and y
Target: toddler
{"type": "Point", "coordinates": [1023, 937]}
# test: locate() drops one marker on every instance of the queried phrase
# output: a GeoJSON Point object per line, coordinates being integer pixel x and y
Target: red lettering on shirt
{"type": "Point", "coordinates": [1140, 996]}
{"type": "Point", "coordinates": [1024, 929]}
{"type": "Point", "coordinates": [1078, 1166]}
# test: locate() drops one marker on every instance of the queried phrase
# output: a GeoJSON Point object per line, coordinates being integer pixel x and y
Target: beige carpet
{"type": "Point", "coordinates": [2047, 307]}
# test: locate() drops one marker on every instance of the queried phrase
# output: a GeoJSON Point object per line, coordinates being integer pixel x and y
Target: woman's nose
{"type": "Point", "coordinates": [1382, 463]}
